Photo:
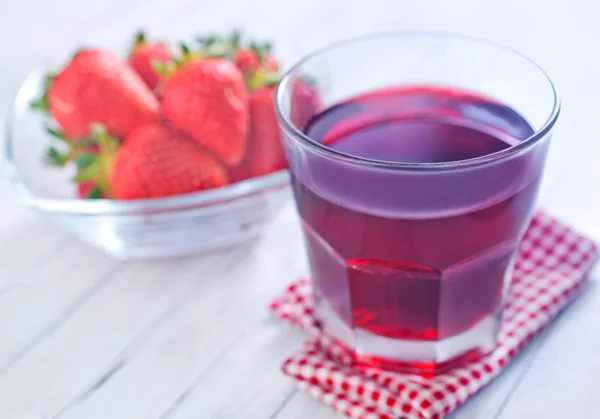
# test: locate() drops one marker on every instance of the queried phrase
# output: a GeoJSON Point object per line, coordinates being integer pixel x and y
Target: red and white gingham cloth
{"type": "Point", "coordinates": [551, 265]}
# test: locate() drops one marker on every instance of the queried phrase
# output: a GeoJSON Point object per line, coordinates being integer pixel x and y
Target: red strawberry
{"type": "Point", "coordinates": [84, 188]}
{"type": "Point", "coordinates": [88, 190]}
{"type": "Point", "coordinates": [305, 102]}
{"type": "Point", "coordinates": [265, 154]}
{"type": "Point", "coordinates": [248, 61]}
{"type": "Point", "coordinates": [98, 87]}
{"type": "Point", "coordinates": [208, 100]}
{"type": "Point", "coordinates": [156, 162]}
{"type": "Point", "coordinates": [143, 55]}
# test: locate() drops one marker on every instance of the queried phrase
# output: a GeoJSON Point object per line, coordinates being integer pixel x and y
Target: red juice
{"type": "Point", "coordinates": [410, 269]}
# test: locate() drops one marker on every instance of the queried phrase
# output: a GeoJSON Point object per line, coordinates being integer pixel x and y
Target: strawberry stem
{"type": "Point", "coordinates": [258, 52]}
{"type": "Point", "coordinates": [83, 175]}
{"type": "Point", "coordinates": [106, 143]}
{"type": "Point", "coordinates": [184, 48]}
{"type": "Point", "coordinates": [140, 38]}
{"type": "Point", "coordinates": [262, 78]}
{"type": "Point", "coordinates": [236, 38]}
{"type": "Point", "coordinates": [164, 69]}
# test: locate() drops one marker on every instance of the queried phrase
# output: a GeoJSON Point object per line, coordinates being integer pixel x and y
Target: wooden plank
{"type": "Point", "coordinates": [303, 406]}
{"type": "Point", "coordinates": [245, 381]}
{"type": "Point", "coordinates": [218, 322]}
{"type": "Point", "coordinates": [47, 293]}
{"type": "Point", "coordinates": [561, 382]}
{"type": "Point", "coordinates": [491, 399]}
{"type": "Point", "coordinates": [24, 245]}
{"type": "Point", "coordinates": [78, 353]}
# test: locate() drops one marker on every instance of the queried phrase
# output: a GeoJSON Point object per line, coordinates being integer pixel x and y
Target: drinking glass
{"type": "Point", "coordinates": [410, 261]}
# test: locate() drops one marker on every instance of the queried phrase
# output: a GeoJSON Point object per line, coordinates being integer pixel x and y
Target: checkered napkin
{"type": "Point", "coordinates": [551, 266]}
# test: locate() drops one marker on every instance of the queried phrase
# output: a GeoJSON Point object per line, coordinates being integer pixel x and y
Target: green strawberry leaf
{"type": "Point", "coordinates": [158, 66]}
{"type": "Point", "coordinates": [207, 40]}
{"type": "Point", "coordinates": [184, 48]}
{"type": "Point", "coordinates": [94, 193]}
{"type": "Point", "coordinates": [85, 160]}
{"type": "Point", "coordinates": [219, 49]}
{"type": "Point", "coordinates": [107, 144]}
{"type": "Point", "coordinates": [236, 39]}
{"type": "Point", "coordinates": [41, 103]}
{"type": "Point", "coordinates": [56, 134]}
{"type": "Point", "coordinates": [98, 130]}
{"type": "Point", "coordinates": [84, 143]}
{"type": "Point", "coordinates": [55, 158]}
{"type": "Point", "coordinates": [259, 52]}
{"type": "Point", "coordinates": [89, 173]}
{"type": "Point", "coordinates": [140, 38]}
{"type": "Point", "coordinates": [271, 78]}
{"type": "Point", "coordinates": [262, 78]}
{"type": "Point", "coordinates": [164, 69]}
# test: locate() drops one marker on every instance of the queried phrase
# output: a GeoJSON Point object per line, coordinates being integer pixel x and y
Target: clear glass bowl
{"type": "Point", "coordinates": [142, 229]}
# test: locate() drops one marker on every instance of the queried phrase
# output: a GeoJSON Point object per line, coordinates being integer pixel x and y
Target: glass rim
{"type": "Point", "coordinates": [289, 127]}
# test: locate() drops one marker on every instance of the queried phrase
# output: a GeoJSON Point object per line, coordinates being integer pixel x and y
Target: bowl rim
{"type": "Point", "coordinates": [20, 106]}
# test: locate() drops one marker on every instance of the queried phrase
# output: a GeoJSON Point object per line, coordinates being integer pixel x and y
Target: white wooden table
{"type": "Point", "coordinates": [84, 336]}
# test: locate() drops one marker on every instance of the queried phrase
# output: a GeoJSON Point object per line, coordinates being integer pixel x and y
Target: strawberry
{"type": "Point", "coordinates": [142, 57]}
{"type": "Point", "coordinates": [98, 87]}
{"type": "Point", "coordinates": [88, 190]}
{"type": "Point", "coordinates": [305, 102]}
{"type": "Point", "coordinates": [254, 58]}
{"type": "Point", "coordinates": [248, 59]}
{"type": "Point", "coordinates": [207, 99]}
{"type": "Point", "coordinates": [155, 161]}
{"type": "Point", "coordinates": [265, 154]}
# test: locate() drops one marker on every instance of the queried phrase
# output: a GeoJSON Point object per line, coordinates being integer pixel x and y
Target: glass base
{"type": "Point", "coordinates": [422, 357]}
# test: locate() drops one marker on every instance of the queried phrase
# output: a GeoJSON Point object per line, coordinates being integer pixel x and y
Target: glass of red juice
{"type": "Point", "coordinates": [415, 167]}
